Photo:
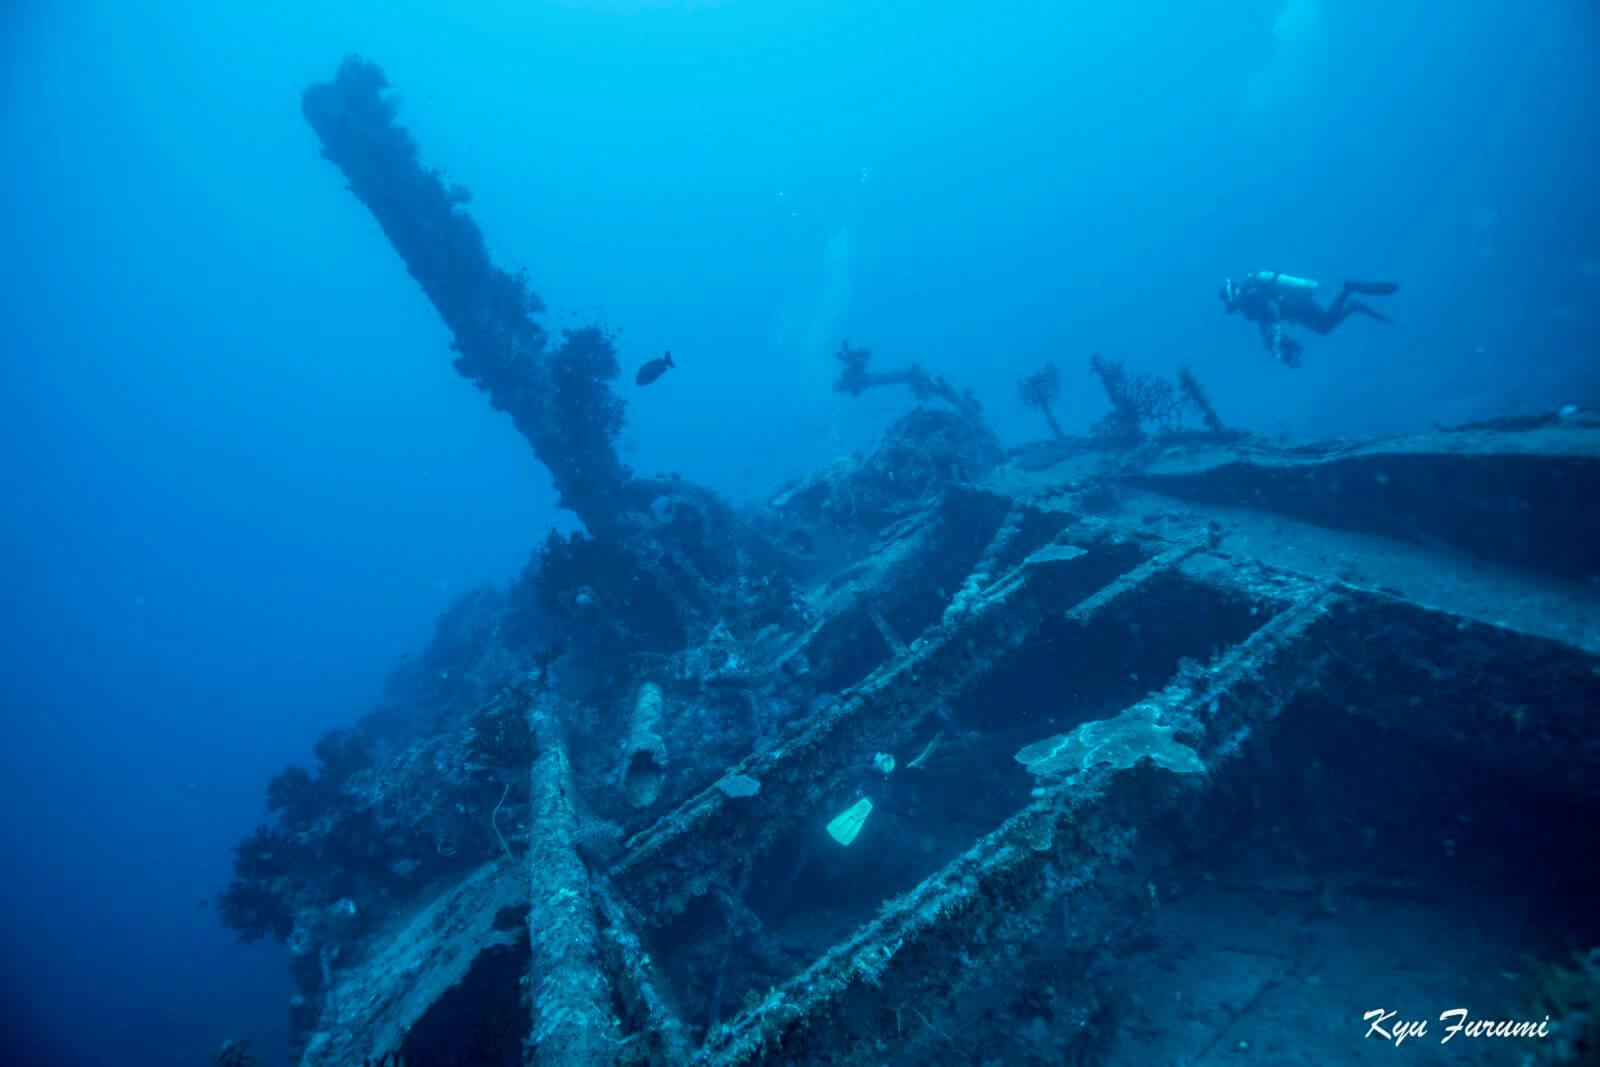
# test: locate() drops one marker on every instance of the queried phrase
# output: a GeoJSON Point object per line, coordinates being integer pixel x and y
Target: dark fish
{"type": "Point", "coordinates": [654, 369]}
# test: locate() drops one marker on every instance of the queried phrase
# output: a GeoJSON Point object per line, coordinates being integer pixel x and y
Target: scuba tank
{"type": "Point", "coordinates": [1283, 284]}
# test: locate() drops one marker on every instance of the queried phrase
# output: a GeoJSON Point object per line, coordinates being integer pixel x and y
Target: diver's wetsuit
{"type": "Point", "coordinates": [1270, 299]}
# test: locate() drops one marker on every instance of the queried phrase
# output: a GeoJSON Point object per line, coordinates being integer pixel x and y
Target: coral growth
{"type": "Point", "coordinates": [1135, 400]}
{"type": "Point", "coordinates": [235, 1052]}
{"type": "Point", "coordinates": [258, 903]}
{"type": "Point", "coordinates": [1137, 734]}
{"type": "Point", "coordinates": [1039, 391]}
{"type": "Point", "coordinates": [1199, 400]}
{"type": "Point", "coordinates": [924, 452]}
{"type": "Point", "coordinates": [560, 401]}
{"type": "Point", "coordinates": [372, 828]}
{"type": "Point", "coordinates": [855, 379]}
{"type": "Point", "coordinates": [581, 420]}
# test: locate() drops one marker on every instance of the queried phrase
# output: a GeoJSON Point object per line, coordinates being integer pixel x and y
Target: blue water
{"type": "Point", "coordinates": [240, 478]}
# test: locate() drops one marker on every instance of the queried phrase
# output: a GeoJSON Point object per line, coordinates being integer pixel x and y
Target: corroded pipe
{"type": "Point", "coordinates": [572, 1017]}
{"type": "Point", "coordinates": [644, 761]}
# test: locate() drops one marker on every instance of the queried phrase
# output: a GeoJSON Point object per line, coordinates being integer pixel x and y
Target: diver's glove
{"type": "Point", "coordinates": [1289, 351]}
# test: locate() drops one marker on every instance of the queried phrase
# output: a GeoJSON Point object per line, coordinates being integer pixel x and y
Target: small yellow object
{"type": "Point", "coordinates": [848, 823]}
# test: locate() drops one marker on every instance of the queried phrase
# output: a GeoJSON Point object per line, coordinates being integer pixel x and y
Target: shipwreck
{"type": "Point", "coordinates": [1107, 749]}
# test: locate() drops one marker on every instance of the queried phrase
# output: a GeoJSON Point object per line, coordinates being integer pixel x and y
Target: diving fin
{"type": "Point", "coordinates": [1373, 288]}
{"type": "Point", "coordinates": [847, 824]}
{"type": "Point", "coordinates": [1356, 305]}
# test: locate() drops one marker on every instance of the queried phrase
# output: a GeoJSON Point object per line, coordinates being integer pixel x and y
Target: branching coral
{"type": "Point", "coordinates": [257, 904]}
{"type": "Point", "coordinates": [293, 796]}
{"type": "Point", "coordinates": [343, 831]}
{"type": "Point", "coordinates": [1135, 399]}
{"type": "Point", "coordinates": [1039, 390]}
{"type": "Point", "coordinates": [1123, 420]}
{"type": "Point", "coordinates": [297, 798]}
{"type": "Point", "coordinates": [856, 379]}
{"type": "Point", "coordinates": [341, 754]}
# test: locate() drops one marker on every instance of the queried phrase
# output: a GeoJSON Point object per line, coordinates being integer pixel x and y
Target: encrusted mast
{"type": "Point", "coordinates": [677, 553]}
{"type": "Point", "coordinates": [560, 399]}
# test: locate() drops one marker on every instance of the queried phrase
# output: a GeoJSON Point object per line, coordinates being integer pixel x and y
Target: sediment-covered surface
{"type": "Point", "coordinates": [1177, 748]}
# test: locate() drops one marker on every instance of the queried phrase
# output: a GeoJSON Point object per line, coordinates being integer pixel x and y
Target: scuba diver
{"type": "Point", "coordinates": [1270, 299]}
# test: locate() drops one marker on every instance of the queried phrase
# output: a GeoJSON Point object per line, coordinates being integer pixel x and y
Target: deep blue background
{"type": "Point", "coordinates": [239, 477]}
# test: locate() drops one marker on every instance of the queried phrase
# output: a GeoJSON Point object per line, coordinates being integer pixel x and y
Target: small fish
{"type": "Point", "coordinates": [654, 369]}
